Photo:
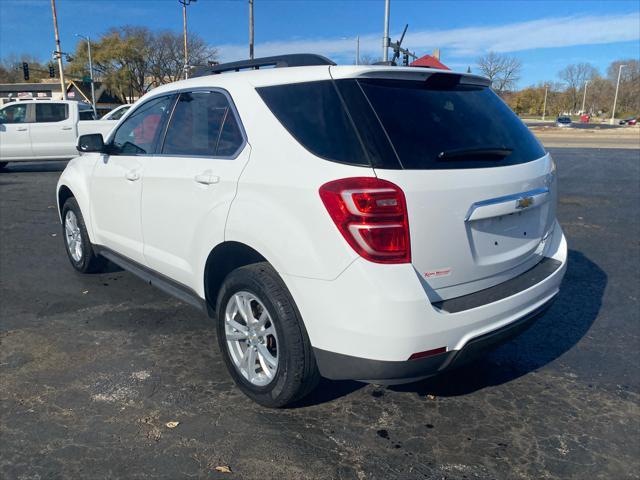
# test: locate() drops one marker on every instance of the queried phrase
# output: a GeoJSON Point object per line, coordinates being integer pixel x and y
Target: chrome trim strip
{"type": "Point", "coordinates": [506, 199]}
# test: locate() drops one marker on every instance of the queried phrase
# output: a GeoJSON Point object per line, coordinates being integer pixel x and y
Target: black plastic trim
{"type": "Point", "coordinates": [164, 283]}
{"type": "Point", "coordinates": [278, 61]}
{"type": "Point", "coordinates": [543, 269]}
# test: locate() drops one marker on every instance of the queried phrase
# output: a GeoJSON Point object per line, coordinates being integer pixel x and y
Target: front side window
{"type": "Point", "coordinates": [202, 124]}
{"type": "Point", "coordinates": [14, 114]}
{"type": "Point", "coordinates": [139, 133]}
{"type": "Point", "coordinates": [51, 112]}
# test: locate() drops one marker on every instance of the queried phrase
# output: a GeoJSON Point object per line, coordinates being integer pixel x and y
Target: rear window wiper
{"type": "Point", "coordinates": [471, 153]}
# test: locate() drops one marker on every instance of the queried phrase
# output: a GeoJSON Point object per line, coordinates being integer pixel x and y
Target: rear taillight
{"type": "Point", "coordinates": [371, 214]}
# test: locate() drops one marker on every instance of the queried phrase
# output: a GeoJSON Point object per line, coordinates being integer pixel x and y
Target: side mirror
{"type": "Point", "coordinates": [90, 143]}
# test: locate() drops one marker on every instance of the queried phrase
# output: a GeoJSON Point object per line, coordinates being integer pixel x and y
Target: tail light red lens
{"type": "Point", "coordinates": [371, 214]}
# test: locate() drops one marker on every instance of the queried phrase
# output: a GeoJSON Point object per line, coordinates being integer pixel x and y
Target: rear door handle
{"type": "Point", "coordinates": [132, 175]}
{"type": "Point", "coordinates": [206, 178]}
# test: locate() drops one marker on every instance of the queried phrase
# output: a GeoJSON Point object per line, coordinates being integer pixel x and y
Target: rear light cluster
{"type": "Point", "coordinates": [371, 214]}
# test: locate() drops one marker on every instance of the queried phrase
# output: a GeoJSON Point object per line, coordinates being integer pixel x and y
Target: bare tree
{"type": "Point", "coordinates": [502, 70]}
{"type": "Point", "coordinates": [575, 76]}
{"type": "Point", "coordinates": [368, 60]}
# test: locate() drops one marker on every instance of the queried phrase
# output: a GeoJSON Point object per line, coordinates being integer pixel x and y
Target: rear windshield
{"type": "Point", "coordinates": [434, 124]}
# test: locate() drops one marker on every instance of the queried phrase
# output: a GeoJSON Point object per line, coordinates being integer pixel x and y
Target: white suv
{"type": "Point", "coordinates": [373, 223]}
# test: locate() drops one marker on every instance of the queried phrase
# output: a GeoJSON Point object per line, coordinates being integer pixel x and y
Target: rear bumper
{"type": "Point", "coordinates": [369, 321]}
{"type": "Point", "coordinates": [344, 367]}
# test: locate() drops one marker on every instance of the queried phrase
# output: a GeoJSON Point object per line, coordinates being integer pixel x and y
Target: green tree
{"type": "Point", "coordinates": [131, 60]}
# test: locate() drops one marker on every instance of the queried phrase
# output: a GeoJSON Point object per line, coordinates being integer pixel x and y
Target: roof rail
{"type": "Point", "coordinates": [278, 61]}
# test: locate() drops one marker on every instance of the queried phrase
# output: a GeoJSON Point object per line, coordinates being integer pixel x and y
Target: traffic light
{"type": "Point", "coordinates": [405, 59]}
{"type": "Point", "coordinates": [52, 71]}
{"type": "Point", "coordinates": [25, 70]}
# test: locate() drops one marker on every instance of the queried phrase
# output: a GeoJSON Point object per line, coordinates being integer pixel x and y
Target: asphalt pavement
{"type": "Point", "coordinates": [93, 367]}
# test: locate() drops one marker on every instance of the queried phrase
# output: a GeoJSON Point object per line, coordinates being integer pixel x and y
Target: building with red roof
{"type": "Point", "coordinates": [429, 61]}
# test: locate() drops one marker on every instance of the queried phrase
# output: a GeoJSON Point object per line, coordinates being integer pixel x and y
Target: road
{"type": "Point", "coordinates": [93, 367]}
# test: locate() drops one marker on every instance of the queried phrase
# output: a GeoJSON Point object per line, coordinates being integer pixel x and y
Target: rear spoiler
{"type": "Point", "coordinates": [409, 73]}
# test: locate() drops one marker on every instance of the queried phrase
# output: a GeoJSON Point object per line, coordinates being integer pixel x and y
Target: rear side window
{"type": "Point", "coordinates": [202, 124]}
{"type": "Point", "coordinates": [442, 124]}
{"type": "Point", "coordinates": [86, 115]}
{"type": "Point", "coordinates": [315, 116]}
{"type": "Point", "coordinates": [51, 112]}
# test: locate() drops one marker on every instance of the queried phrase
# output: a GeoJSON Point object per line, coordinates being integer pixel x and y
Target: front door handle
{"type": "Point", "coordinates": [206, 178]}
{"type": "Point", "coordinates": [132, 175]}
{"type": "Point", "coordinates": [22, 129]}
{"type": "Point", "coordinates": [66, 128]}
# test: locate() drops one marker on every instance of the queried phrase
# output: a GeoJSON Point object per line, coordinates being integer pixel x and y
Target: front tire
{"type": "Point", "coordinates": [262, 338]}
{"type": "Point", "coordinates": [76, 240]}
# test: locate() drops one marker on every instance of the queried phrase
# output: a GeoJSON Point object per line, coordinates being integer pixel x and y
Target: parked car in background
{"type": "Point", "coordinates": [116, 113]}
{"type": "Point", "coordinates": [305, 209]}
{"type": "Point", "coordinates": [563, 121]}
{"type": "Point", "coordinates": [45, 129]}
{"type": "Point", "coordinates": [585, 118]}
{"type": "Point", "coordinates": [628, 121]}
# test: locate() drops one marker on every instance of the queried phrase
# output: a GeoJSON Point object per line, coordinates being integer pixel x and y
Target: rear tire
{"type": "Point", "coordinates": [76, 240]}
{"type": "Point", "coordinates": [274, 331]}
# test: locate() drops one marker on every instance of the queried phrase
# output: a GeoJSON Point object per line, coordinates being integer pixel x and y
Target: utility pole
{"type": "Point", "coordinates": [544, 106]}
{"type": "Point", "coordinates": [615, 99]}
{"type": "Point", "coordinates": [58, 52]}
{"type": "Point", "coordinates": [386, 39]}
{"type": "Point", "coordinates": [93, 90]}
{"type": "Point", "coordinates": [184, 31]}
{"type": "Point", "coordinates": [251, 29]}
{"type": "Point", "coordinates": [584, 97]}
{"type": "Point", "coordinates": [358, 50]}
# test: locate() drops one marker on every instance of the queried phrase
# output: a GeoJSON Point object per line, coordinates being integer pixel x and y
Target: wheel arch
{"type": "Point", "coordinates": [64, 194]}
{"type": "Point", "coordinates": [222, 260]}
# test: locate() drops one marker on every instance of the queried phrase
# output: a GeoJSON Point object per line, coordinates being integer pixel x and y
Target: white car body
{"type": "Point", "coordinates": [41, 138]}
{"type": "Point", "coordinates": [117, 113]}
{"type": "Point", "coordinates": [471, 230]}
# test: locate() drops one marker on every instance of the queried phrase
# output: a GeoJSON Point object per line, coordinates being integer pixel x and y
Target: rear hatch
{"type": "Point", "coordinates": [480, 189]}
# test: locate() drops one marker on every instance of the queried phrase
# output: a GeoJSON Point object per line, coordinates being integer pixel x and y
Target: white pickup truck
{"type": "Point", "coordinates": [45, 129]}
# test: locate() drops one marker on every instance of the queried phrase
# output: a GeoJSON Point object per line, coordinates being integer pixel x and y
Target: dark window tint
{"type": "Point", "coordinates": [139, 133]}
{"type": "Point", "coordinates": [441, 124]}
{"type": "Point", "coordinates": [314, 114]}
{"type": "Point", "coordinates": [86, 115]}
{"type": "Point", "coordinates": [230, 137]}
{"type": "Point", "coordinates": [51, 112]}
{"type": "Point", "coordinates": [14, 114]}
{"type": "Point", "coordinates": [202, 124]}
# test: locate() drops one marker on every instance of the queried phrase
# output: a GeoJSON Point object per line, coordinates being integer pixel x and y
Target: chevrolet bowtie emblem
{"type": "Point", "coordinates": [524, 202]}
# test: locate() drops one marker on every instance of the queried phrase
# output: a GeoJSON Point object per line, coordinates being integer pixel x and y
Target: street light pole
{"type": "Point", "coordinates": [385, 40]}
{"type": "Point", "coordinates": [584, 98]}
{"type": "Point", "coordinates": [615, 99]}
{"type": "Point", "coordinates": [251, 29]}
{"type": "Point", "coordinates": [358, 50]}
{"type": "Point", "coordinates": [184, 31]}
{"type": "Point", "coordinates": [93, 90]}
{"type": "Point", "coordinates": [544, 106]}
{"type": "Point", "coordinates": [58, 52]}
